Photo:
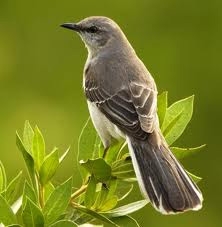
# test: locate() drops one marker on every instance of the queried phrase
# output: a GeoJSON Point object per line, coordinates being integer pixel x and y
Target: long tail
{"type": "Point", "coordinates": [161, 177]}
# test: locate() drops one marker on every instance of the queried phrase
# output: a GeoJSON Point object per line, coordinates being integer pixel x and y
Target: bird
{"type": "Point", "coordinates": [122, 101]}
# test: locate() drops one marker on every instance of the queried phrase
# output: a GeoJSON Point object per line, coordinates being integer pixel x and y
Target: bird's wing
{"type": "Point", "coordinates": [144, 99]}
{"type": "Point", "coordinates": [117, 106]}
{"type": "Point", "coordinates": [131, 107]}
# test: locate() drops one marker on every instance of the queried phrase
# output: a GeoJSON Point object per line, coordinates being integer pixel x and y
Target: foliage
{"type": "Point", "coordinates": [106, 182]}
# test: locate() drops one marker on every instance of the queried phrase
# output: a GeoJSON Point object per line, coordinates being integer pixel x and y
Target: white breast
{"type": "Point", "coordinates": [104, 127]}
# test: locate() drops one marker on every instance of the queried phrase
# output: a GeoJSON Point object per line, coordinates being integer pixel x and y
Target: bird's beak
{"type": "Point", "coordinates": [71, 26]}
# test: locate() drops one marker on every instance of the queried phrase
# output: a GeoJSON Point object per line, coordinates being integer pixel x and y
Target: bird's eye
{"type": "Point", "coordinates": [92, 29]}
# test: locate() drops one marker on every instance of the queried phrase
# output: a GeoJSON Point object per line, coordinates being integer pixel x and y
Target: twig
{"type": "Point", "coordinates": [80, 191]}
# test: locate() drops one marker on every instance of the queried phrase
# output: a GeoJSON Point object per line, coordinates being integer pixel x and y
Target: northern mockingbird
{"type": "Point", "coordinates": [122, 100]}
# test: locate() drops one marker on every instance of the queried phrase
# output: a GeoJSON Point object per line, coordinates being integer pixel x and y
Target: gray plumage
{"type": "Point", "coordinates": [122, 101]}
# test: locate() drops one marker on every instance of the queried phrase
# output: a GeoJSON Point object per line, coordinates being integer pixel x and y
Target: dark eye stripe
{"type": "Point", "coordinates": [92, 29]}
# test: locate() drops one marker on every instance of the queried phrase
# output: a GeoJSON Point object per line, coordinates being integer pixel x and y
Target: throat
{"type": "Point", "coordinates": [91, 58]}
{"type": "Point", "coordinates": [92, 51]}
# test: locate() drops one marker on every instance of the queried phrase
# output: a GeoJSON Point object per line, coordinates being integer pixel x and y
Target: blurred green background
{"type": "Point", "coordinates": [41, 68]}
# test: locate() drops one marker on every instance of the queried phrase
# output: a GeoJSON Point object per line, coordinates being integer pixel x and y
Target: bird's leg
{"type": "Point", "coordinates": [105, 152]}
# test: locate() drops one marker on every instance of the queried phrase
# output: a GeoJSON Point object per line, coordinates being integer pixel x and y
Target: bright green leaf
{"type": "Point", "coordinates": [112, 186]}
{"type": "Point", "coordinates": [109, 204]}
{"type": "Point", "coordinates": [124, 221]}
{"type": "Point", "coordinates": [86, 144]}
{"type": "Point", "coordinates": [49, 166]}
{"type": "Point", "coordinates": [14, 225]}
{"type": "Point", "coordinates": [181, 153]}
{"type": "Point", "coordinates": [113, 151]}
{"type": "Point", "coordinates": [12, 188]}
{"type": "Point", "coordinates": [96, 215]}
{"type": "Point", "coordinates": [123, 190]}
{"type": "Point", "coordinates": [28, 135]}
{"type": "Point", "coordinates": [3, 179]}
{"type": "Point", "coordinates": [57, 202]}
{"type": "Point", "coordinates": [106, 195]}
{"type": "Point", "coordinates": [101, 196]}
{"type": "Point", "coordinates": [122, 152]}
{"type": "Point", "coordinates": [16, 205]}
{"type": "Point", "coordinates": [162, 106]}
{"type": "Point", "coordinates": [195, 178]}
{"type": "Point", "coordinates": [7, 217]}
{"type": "Point", "coordinates": [99, 168]}
{"type": "Point", "coordinates": [48, 189]}
{"type": "Point", "coordinates": [38, 148]}
{"type": "Point", "coordinates": [28, 192]}
{"type": "Point", "coordinates": [126, 209]}
{"type": "Point", "coordinates": [27, 158]}
{"type": "Point", "coordinates": [124, 169]}
{"type": "Point", "coordinates": [90, 225]}
{"type": "Point", "coordinates": [63, 223]}
{"type": "Point", "coordinates": [90, 192]}
{"type": "Point", "coordinates": [81, 218]}
{"type": "Point", "coordinates": [176, 119]}
{"type": "Point", "coordinates": [32, 215]}
{"type": "Point", "coordinates": [98, 148]}
{"type": "Point", "coordinates": [129, 180]}
{"type": "Point", "coordinates": [64, 155]}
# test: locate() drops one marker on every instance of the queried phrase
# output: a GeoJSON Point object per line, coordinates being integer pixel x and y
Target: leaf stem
{"type": "Point", "coordinates": [41, 195]}
{"type": "Point", "coordinates": [78, 192]}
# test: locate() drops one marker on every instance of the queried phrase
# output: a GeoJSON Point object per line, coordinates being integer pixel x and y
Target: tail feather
{"type": "Point", "coordinates": [162, 179]}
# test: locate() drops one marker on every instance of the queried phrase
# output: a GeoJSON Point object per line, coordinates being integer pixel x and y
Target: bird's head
{"type": "Point", "coordinates": [96, 32]}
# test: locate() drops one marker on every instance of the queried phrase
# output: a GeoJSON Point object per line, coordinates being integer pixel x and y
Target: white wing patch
{"type": "Point", "coordinates": [145, 101]}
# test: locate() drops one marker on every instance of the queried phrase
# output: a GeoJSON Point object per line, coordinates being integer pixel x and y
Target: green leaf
{"type": "Point", "coordinates": [106, 195]}
{"type": "Point", "coordinates": [49, 166]}
{"type": "Point", "coordinates": [113, 151]}
{"type": "Point", "coordinates": [91, 225]}
{"type": "Point", "coordinates": [64, 155]}
{"type": "Point", "coordinates": [28, 135]}
{"type": "Point", "coordinates": [38, 148]}
{"type": "Point", "coordinates": [99, 168]}
{"type": "Point", "coordinates": [102, 194]}
{"type": "Point", "coordinates": [96, 215]}
{"type": "Point", "coordinates": [16, 205]}
{"type": "Point", "coordinates": [32, 215]}
{"type": "Point", "coordinates": [126, 209]}
{"type": "Point", "coordinates": [86, 144]}
{"type": "Point", "coordinates": [109, 204]}
{"type": "Point", "coordinates": [81, 218]}
{"type": "Point", "coordinates": [112, 186]}
{"type": "Point", "coordinates": [3, 179]}
{"type": "Point", "coordinates": [123, 169]}
{"type": "Point", "coordinates": [122, 152]}
{"type": "Point", "coordinates": [176, 119]}
{"type": "Point", "coordinates": [162, 106]}
{"type": "Point", "coordinates": [181, 153]}
{"type": "Point", "coordinates": [123, 190]}
{"type": "Point", "coordinates": [28, 160]}
{"type": "Point", "coordinates": [129, 180]}
{"type": "Point", "coordinates": [195, 178]}
{"type": "Point", "coordinates": [7, 217]}
{"type": "Point", "coordinates": [14, 225]}
{"type": "Point", "coordinates": [90, 192]}
{"type": "Point", "coordinates": [98, 148]}
{"type": "Point", "coordinates": [48, 189]}
{"type": "Point", "coordinates": [125, 221]}
{"type": "Point", "coordinates": [63, 223]}
{"type": "Point", "coordinates": [28, 192]}
{"type": "Point", "coordinates": [57, 202]}
{"type": "Point", "coordinates": [12, 188]}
